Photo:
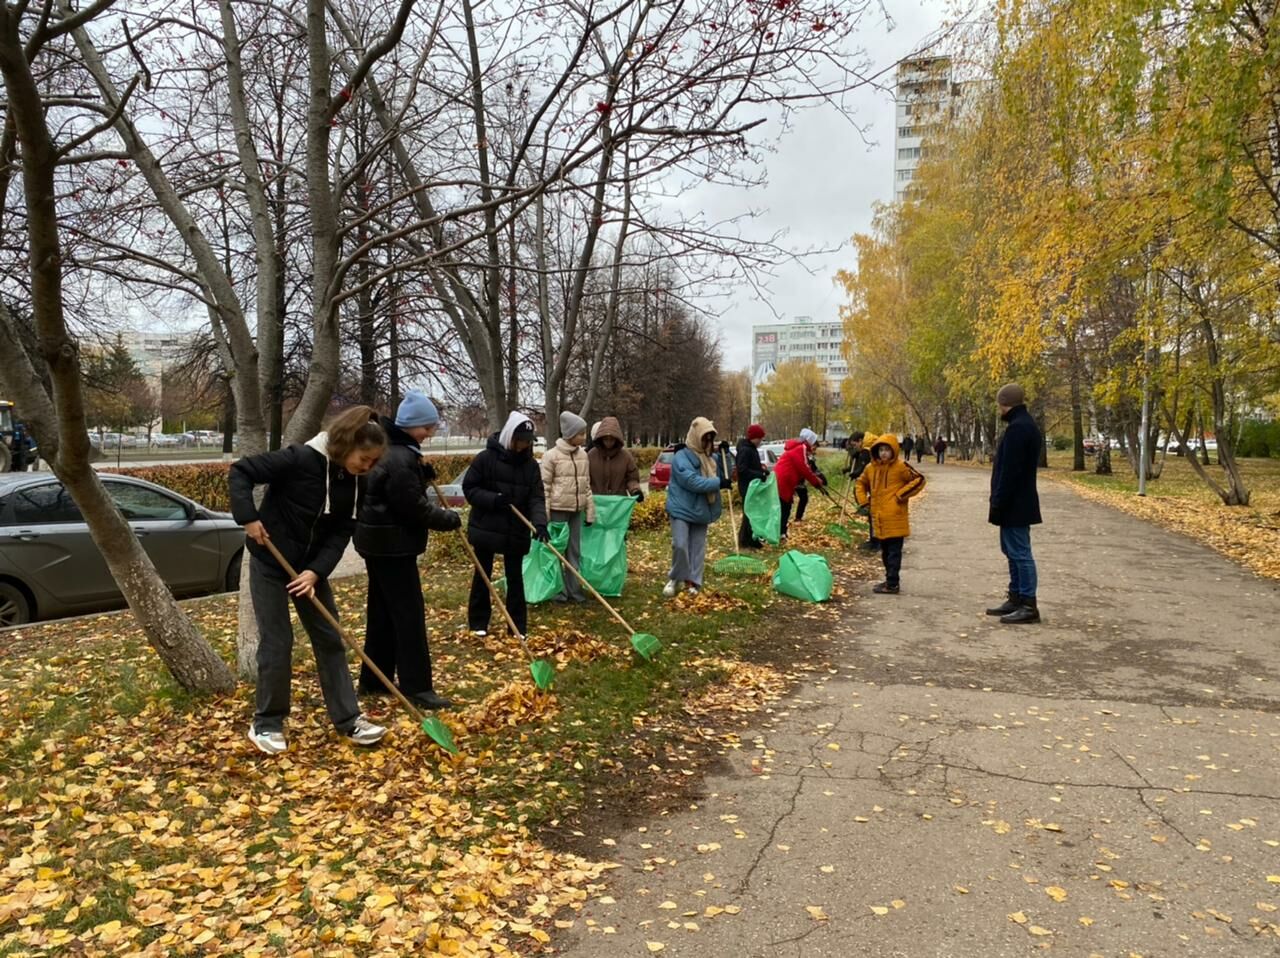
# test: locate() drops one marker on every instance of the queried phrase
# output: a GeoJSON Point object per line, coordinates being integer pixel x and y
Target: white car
{"type": "Point", "coordinates": [770, 453]}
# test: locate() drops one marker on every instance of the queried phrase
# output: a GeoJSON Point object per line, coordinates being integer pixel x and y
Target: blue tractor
{"type": "Point", "coordinates": [18, 450]}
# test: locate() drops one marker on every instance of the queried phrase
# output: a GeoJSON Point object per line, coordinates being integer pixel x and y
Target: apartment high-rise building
{"type": "Point", "coordinates": [926, 95]}
{"type": "Point", "coordinates": [801, 339]}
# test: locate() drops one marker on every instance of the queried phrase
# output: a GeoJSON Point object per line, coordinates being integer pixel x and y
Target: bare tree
{"type": "Point", "coordinates": [58, 414]}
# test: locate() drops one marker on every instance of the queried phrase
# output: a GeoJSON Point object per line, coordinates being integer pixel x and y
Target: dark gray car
{"type": "Point", "coordinates": [50, 567]}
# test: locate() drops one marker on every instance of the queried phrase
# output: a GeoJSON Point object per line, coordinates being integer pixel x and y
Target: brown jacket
{"type": "Point", "coordinates": [567, 481]}
{"type": "Point", "coordinates": [888, 486]}
{"type": "Point", "coordinates": [613, 472]}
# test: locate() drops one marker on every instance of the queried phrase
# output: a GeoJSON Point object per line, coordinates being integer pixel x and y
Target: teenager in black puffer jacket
{"type": "Point", "coordinates": [503, 475]}
{"type": "Point", "coordinates": [395, 518]}
{"type": "Point", "coordinates": [308, 513]}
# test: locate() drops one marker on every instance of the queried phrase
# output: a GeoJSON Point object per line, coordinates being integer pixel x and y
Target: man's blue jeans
{"type": "Point", "coordinates": [1015, 543]}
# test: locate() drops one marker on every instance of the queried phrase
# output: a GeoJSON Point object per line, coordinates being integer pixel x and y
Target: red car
{"type": "Point", "coordinates": [660, 471]}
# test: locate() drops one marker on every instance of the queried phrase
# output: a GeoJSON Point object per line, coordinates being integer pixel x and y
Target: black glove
{"type": "Point", "coordinates": [821, 476]}
{"type": "Point", "coordinates": [724, 446]}
{"type": "Point", "coordinates": [639, 495]}
{"type": "Point", "coordinates": [429, 472]}
{"type": "Point", "coordinates": [587, 522]}
{"type": "Point", "coordinates": [452, 521]}
{"type": "Point", "coordinates": [503, 501]}
{"type": "Point", "coordinates": [541, 534]}
{"type": "Point", "coordinates": [726, 484]}
{"type": "Point", "coordinates": [864, 510]}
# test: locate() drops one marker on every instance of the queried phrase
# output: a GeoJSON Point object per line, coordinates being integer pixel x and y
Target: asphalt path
{"type": "Point", "coordinates": [1106, 783]}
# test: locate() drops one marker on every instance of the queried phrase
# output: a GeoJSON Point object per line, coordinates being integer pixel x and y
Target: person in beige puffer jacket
{"type": "Point", "coordinates": [566, 477]}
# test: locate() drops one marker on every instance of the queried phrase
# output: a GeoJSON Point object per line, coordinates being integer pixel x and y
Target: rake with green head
{"type": "Point", "coordinates": [646, 645]}
{"type": "Point", "coordinates": [736, 564]}
{"type": "Point", "coordinates": [435, 729]}
{"type": "Point", "coordinates": [543, 672]}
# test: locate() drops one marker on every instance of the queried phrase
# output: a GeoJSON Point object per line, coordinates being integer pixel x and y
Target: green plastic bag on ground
{"type": "Point", "coordinates": [803, 576]}
{"type": "Point", "coordinates": [543, 575]}
{"type": "Point", "coordinates": [604, 544]}
{"type": "Point", "coordinates": [763, 507]}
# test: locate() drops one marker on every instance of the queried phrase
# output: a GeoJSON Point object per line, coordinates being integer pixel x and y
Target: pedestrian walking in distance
{"type": "Point", "coordinates": [1015, 503]}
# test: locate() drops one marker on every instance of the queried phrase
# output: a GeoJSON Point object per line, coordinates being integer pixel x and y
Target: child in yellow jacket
{"type": "Point", "coordinates": [886, 485]}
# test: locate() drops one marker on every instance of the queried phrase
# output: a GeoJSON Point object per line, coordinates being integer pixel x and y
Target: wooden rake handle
{"type": "Point", "coordinates": [493, 589]}
{"type": "Point", "coordinates": [332, 620]}
{"type": "Point", "coordinates": [581, 578]}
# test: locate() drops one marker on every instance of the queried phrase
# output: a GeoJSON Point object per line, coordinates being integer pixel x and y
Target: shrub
{"type": "Point", "coordinates": [205, 482]}
{"type": "Point", "coordinates": [652, 513]}
{"type": "Point", "coordinates": [1259, 438]}
{"type": "Point", "coordinates": [646, 456]}
{"type": "Point", "coordinates": [1062, 442]}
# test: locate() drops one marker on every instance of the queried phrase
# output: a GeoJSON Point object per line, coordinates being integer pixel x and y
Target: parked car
{"type": "Point", "coordinates": [770, 453]}
{"type": "Point", "coordinates": [453, 497]}
{"type": "Point", "coordinates": [50, 567]}
{"type": "Point", "coordinates": [165, 441]}
{"type": "Point", "coordinates": [660, 471]}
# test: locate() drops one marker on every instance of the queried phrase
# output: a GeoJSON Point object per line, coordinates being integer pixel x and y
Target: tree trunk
{"type": "Point", "coordinates": [60, 418]}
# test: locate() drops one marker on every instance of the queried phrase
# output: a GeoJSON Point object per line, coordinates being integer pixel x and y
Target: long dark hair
{"type": "Point", "coordinates": [356, 427]}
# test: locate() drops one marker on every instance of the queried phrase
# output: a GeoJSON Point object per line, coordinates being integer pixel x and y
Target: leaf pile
{"type": "Point", "coordinates": [514, 705]}
{"type": "Point", "coordinates": [707, 600]}
{"type": "Point", "coordinates": [746, 688]}
{"type": "Point", "coordinates": [573, 645]}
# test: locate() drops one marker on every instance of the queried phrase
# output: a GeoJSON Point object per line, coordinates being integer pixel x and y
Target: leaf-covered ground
{"type": "Point", "coordinates": [139, 820]}
{"type": "Point", "coordinates": [1179, 500]}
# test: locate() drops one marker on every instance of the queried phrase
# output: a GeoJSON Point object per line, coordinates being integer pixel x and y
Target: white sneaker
{"type": "Point", "coordinates": [365, 732]}
{"type": "Point", "coordinates": [692, 590]}
{"type": "Point", "coordinates": [272, 743]}
{"type": "Point", "coordinates": [479, 633]}
{"type": "Point", "coordinates": [670, 589]}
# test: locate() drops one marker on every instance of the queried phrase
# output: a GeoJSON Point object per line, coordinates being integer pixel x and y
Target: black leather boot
{"type": "Point", "coordinates": [1026, 612]}
{"type": "Point", "coordinates": [1010, 604]}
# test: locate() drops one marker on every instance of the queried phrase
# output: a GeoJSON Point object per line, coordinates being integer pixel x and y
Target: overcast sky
{"type": "Point", "coordinates": [823, 180]}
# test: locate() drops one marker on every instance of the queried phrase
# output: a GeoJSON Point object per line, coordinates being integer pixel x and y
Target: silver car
{"type": "Point", "coordinates": [50, 566]}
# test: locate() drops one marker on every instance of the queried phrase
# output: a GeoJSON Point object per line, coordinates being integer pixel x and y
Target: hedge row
{"type": "Point", "coordinates": [206, 482]}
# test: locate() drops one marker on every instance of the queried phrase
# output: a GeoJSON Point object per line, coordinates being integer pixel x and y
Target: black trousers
{"type": "Point", "coordinates": [396, 626]}
{"type": "Point", "coordinates": [891, 556]}
{"type": "Point", "coordinates": [802, 493]}
{"type": "Point", "coordinates": [745, 536]}
{"type": "Point", "coordinates": [786, 516]}
{"type": "Point", "coordinates": [480, 604]}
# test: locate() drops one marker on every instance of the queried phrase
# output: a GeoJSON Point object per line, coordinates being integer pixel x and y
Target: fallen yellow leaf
{"type": "Point", "coordinates": [1038, 931]}
{"type": "Point", "coordinates": [1018, 917]}
{"type": "Point", "coordinates": [1056, 893]}
{"type": "Point", "coordinates": [816, 913]}
{"type": "Point", "coordinates": [654, 946]}
{"type": "Point", "coordinates": [879, 910]}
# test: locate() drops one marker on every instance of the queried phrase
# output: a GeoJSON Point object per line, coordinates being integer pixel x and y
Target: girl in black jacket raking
{"type": "Point", "coordinates": [395, 517]}
{"type": "Point", "coordinates": [308, 513]}
{"type": "Point", "coordinates": [503, 475]}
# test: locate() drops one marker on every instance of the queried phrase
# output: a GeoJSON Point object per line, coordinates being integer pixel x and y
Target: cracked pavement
{"type": "Point", "coordinates": [1105, 783]}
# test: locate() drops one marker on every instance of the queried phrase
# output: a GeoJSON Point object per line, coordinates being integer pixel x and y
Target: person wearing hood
{"type": "Point", "coordinates": [502, 475]}
{"type": "Point", "coordinates": [396, 515]}
{"type": "Point", "coordinates": [566, 479]}
{"type": "Point", "coordinates": [1015, 503]}
{"type": "Point", "coordinates": [886, 486]}
{"type": "Point", "coordinates": [693, 503]}
{"type": "Point", "coordinates": [308, 513]}
{"type": "Point", "coordinates": [810, 440]}
{"type": "Point", "coordinates": [613, 467]}
{"type": "Point", "coordinates": [749, 468]}
{"type": "Point", "coordinates": [793, 470]}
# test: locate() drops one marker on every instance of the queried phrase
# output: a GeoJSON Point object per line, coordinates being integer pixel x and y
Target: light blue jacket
{"type": "Point", "coordinates": [687, 494]}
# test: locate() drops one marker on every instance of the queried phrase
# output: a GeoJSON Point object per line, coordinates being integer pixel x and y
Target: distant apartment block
{"type": "Point", "coordinates": [927, 95]}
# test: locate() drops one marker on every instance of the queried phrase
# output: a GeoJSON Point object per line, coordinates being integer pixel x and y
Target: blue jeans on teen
{"type": "Point", "coordinates": [1015, 543]}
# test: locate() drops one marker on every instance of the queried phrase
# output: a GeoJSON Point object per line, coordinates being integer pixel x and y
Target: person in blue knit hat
{"type": "Point", "coordinates": [395, 517]}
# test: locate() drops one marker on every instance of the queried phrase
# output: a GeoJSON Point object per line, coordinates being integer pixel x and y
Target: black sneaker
{"type": "Point", "coordinates": [430, 700]}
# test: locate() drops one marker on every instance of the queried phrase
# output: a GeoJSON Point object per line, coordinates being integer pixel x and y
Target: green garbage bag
{"type": "Point", "coordinates": [604, 544]}
{"type": "Point", "coordinates": [763, 507]}
{"type": "Point", "coordinates": [543, 575]}
{"type": "Point", "coordinates": [803, 576]}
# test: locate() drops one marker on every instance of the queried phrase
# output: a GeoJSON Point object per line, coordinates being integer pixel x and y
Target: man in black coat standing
{"type": "Point", "coordinates": [1015, 504]}
{"type": "Point", "coordinates": [749, 467]}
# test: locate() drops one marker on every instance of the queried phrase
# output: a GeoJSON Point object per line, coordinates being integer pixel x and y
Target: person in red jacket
{"type": "Point", "coordinates": [793, 470]}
